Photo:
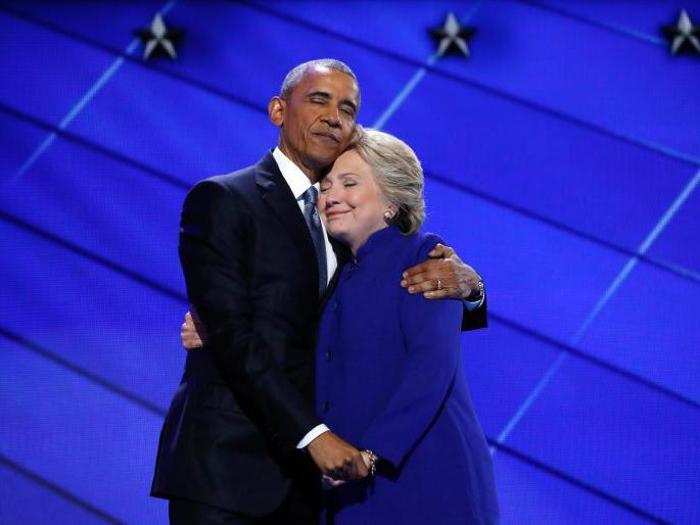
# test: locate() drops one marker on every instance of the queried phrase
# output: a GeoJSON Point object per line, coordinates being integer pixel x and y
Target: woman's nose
{"type": "Point", "coordinates": [330, 199]}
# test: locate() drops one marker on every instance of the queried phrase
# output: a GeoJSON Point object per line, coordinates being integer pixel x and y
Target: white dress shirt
{"type": "Point", "coordinates": [298, 182]}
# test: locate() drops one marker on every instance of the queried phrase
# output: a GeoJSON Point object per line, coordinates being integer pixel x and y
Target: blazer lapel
{"type": "Point", "coordinates": [343, 255]}
{"type": "Point", "coordinates": [278, 196]}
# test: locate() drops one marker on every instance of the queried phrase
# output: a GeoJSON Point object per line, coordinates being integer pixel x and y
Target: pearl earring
{"type": "Point", "coordinates": [388, 215]}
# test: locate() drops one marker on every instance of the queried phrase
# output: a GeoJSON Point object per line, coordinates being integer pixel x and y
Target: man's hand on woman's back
{"type": "Point", "coordinates": [192, 332]}
{"type": "Point", "coordinates": [443, 276]}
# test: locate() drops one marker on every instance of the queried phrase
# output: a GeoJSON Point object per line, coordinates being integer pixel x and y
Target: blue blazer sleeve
{"type": "Point", "coordinates": [432, 332]}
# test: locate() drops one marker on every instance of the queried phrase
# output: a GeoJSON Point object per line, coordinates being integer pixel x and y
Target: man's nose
{"type": "Point", "coordinates": [332, 118]}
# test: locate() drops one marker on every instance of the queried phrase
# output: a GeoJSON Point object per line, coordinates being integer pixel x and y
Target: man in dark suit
{"type": "Point", "coordinates": [241, 442]}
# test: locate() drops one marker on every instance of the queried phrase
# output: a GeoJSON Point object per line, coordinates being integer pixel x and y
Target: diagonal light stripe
{"type": "Point", "coordinates": [643, 248]}
{"type": "Point", "coordinates": [402, 95]}
{"type": "Point", "coordinates": [57, 490]}
{"type": "Point", "coordinates": [531, 398]}
{"type": "Point", "coordinates": [74, 112]}
{"type": "Point", "coordinates": [615, 28]}
{"type": "Point", "coordinates": [602, 302]}
{"type": "Point", "coordinates": [83, 102]}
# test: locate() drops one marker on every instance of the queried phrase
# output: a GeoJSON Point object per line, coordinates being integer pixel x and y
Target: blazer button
{"type": "Point", "coordinates": [329, 356]}
{"type": "Point", "coordinates": [326, 406]}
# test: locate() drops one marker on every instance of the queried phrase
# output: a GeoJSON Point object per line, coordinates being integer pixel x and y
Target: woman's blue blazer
{"type": "Point", "coordinates": [388, 379]}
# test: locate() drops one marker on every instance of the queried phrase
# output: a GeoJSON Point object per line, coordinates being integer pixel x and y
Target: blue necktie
{"type": "Point", "coordinates": [313, 221]}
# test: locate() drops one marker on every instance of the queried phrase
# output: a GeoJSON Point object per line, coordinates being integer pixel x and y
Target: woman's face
{"type": "Point", "coordinates": [351, 203]}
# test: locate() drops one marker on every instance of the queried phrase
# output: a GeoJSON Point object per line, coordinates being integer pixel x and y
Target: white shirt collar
{"type": "Point", "coordinates": [297, 181]}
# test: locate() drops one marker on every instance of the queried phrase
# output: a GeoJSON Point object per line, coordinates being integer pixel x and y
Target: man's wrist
{"type": "Point", "coordinates": [312, 434]}
{"type": "Point", "coordinates": [477, 293]}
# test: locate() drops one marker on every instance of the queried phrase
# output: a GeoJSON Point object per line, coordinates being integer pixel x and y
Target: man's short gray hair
{"type": "Point", "coordinates": [398, 173]}
{"type": "Point", "coordinates": [297, 73]}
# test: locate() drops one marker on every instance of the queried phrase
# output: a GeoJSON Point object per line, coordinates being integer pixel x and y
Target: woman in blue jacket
{"type": "Point", "coordinates": [388, 375]}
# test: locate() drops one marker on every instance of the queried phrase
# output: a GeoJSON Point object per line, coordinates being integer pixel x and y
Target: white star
{"type": "Point", "coordinates": [452, 34]}
{"type": "Point", "coordinates": [684, 30]}
{"type": "Point", "coordinates": [159, 36]}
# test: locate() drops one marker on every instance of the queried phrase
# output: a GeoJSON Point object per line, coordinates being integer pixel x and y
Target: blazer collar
{"type": "Point", "coordinates": [276, 193]}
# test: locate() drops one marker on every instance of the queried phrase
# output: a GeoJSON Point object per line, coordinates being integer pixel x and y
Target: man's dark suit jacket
{"type": "Point", "coordinates": [246, 399]}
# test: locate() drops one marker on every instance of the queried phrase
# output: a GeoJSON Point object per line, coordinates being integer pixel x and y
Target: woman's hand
{"type": "Point", "coordinates": [369, 459]}
{"type": "Point", "coordinates": [192, 333]}
{"type": "Point", "coordinates": [329, 483]}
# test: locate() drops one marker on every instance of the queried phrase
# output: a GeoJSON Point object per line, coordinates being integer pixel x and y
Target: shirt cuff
{"type": "Point", "coordinates": [473, 305]}
{"type": "Point", "coordinates": [312, 434]}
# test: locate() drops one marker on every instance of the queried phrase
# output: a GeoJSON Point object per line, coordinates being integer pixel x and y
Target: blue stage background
{"type": "Point", "coordinates": [562, 161]}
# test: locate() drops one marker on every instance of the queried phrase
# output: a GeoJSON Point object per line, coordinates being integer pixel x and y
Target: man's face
{"type": "Point", "coordinates": [317, 118]}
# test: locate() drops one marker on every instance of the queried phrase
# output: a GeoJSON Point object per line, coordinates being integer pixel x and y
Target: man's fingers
{"type": "Point", "coordinates": [441, 252]}
{"type": "Point", "coordinates": [437, 294]}
{"type": "Point", "coordinates": [424, 286]}
{"type": "Point", "coordinates": [351, 467]}
{"type": "Point", "coordinates": [415, 279]}
{"type": "Point", "coordinates": [417, 269]}
{"type": "Point", "coordinates": [362, 467]}
{"type": "Point", "coordinates": [189, 337]}
{"type": "Point", "coordinates": [189, 322]}
{"type": "Point", "coordinates": [428, 270]}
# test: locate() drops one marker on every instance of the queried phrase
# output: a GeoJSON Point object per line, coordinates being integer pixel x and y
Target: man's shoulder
{"type": "Point", "coordinates": [240, 181]}
{"type": "Point", "coordinates": [239, 184]}
{"type": "Point", "coordinates": [233, 191]}
{"type": "Point", "coordinates": [242, 187]}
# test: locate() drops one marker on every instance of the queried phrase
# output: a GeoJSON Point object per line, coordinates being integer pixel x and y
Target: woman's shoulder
{"type": "Point", "coordinates": [421, 243]}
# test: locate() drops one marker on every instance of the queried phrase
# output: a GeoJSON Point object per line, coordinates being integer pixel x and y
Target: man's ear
{"type": "Point", "coordinates": [275, 110]}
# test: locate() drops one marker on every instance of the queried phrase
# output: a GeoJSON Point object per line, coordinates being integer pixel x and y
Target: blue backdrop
{"type": "Point", "coordinates": [562, 161]}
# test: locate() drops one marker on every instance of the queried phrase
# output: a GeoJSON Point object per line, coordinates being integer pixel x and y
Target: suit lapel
{"type": "Point", "coordinates": [342, 254]}
{"type": "Point", "coordinates": [278, 196]}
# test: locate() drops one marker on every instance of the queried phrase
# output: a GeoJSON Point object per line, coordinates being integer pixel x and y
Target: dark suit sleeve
{"type": "Point", "coordinates": [216, 246]}
{"type": "Point", "coordinates": [474, 319]}
{"type": "Point", "coordinates": [432, 340]}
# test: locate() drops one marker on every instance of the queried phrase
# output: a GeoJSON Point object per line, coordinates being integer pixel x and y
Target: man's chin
{"type": "Point", "coordinates": [325, 156]}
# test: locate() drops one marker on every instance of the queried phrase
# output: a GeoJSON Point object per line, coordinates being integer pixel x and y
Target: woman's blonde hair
{"type": "Point", "coordinates": [398, 173]}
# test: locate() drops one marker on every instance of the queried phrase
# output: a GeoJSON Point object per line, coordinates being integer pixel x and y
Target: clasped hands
{"type": "Point", "coordinates": [338, 460]}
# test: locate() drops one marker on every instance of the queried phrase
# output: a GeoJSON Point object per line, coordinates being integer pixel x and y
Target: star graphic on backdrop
{"type": "Point", "coordinates": [452, 37]}
{"type": "Point", "coordinates": [683, 36]}
{"type": "Point", "coordinates": [159, 40]}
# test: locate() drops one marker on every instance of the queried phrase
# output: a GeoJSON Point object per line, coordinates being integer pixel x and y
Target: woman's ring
{"type": "Point", "coordinates": [439, 284]}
